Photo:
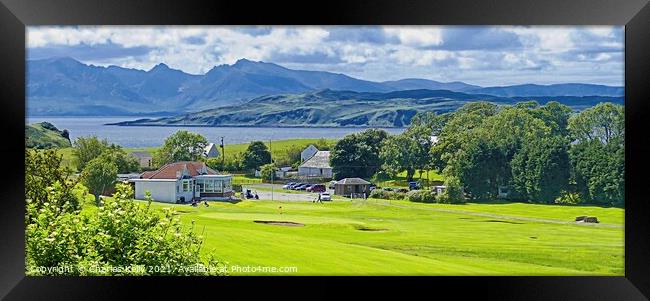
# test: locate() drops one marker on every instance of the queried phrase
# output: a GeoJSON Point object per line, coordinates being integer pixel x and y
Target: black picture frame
{"type": "Point", "coordinates": [634, 14]}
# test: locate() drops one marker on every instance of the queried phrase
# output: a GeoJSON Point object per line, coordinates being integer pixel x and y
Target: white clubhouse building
{"type": "Point", "coordinates": [183, 182]}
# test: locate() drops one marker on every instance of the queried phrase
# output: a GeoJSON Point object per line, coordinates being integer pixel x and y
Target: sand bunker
{"type": "Point", "coordinates": [280, 223]}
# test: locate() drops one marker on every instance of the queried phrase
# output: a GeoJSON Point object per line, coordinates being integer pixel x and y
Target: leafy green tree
{"type": "Point", "coordinates": [98, 176]}
{"type": "Point", "coordinates": [181, 146]}
{"type": "Point", "coordinates": [256, 155]}
{"type": "Point", "coordinates": [86, 149]}
{"type": "Point", "coordinates": [541, 169]}
{"type": "Point", "coordinates": [399, 153]}
{"type": "Point", "coordinates": [407, 151]}
{"type": "Point", "coordinates": [267, 171]}
{"type": "Point", "coordinates": [456, 130]}
{"type": "Point", "coordinates": [478, 148]}
{"type": "Point", "coordinates": [603, 122]}
{"type": "Point", "coordinates": [322, 144]}
{"type": "Point", "coordinates": [598, 153]}
{"type": "Point", "coordinates": [357, 155]}
{"type": "Point", "coordinates": [554, 115]}
{"type": "Point", "coordinates": [481, 167]}
{"type": "Point", "coordinates": [43, 169]}
{"type": "Point", "coordinates": [125, 163]}
{"type": "Point", "coordinates": [600, 171]}
{"type": "Point", "coordinates": [289, 157]}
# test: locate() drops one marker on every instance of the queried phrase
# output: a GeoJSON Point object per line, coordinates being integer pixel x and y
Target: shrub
{"type": "Point", "coordinates": [569, 198]}
{"type": "Point", "coordinates": [421, 196]}
{"type": "Point", "coordinates": [387, 195]}
{"type": "Point", "coordinates": [453, 193]}
{"type": "Point", "coordinates": [120, 234]}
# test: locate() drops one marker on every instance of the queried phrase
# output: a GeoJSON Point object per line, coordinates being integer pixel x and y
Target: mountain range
{"type": "Point", "coordinates": [65, 86]}
{"type": "Point", "coordinates": [347, 108]}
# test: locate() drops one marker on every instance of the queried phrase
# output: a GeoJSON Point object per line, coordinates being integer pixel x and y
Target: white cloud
{"type": "Point", "coordinates": [418, 36]}
{"type": "Point", "coordinates": [392, 52]}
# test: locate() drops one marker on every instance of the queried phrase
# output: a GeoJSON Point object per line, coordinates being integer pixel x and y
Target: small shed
{"type": "Point", "coordinates": [350, 186]}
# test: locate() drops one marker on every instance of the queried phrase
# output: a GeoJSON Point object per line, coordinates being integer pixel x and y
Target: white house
{"type": "Point", "coordinates": [318, 166]}
{"type": "Point", "coordinates": [308, 152]}
{"type": "Point", "coordinates": [183, 182]}
{"type": "Point", "coordinates": [211, 151]}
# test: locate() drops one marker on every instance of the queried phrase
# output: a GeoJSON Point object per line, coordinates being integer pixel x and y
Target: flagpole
{"type": "Point", "coordinates": [273, 170]}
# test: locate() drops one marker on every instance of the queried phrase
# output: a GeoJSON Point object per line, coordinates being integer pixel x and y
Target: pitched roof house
{"type": "Point", "coordinates": [211, 151]}
{"type": "Point", "coordinates": [317, 166]}
{"type": "Point", "coordinates": [183, 182]}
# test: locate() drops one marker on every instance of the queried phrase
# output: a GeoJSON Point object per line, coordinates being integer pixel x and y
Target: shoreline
{"type": "Point", "coordinates": [258, 126]}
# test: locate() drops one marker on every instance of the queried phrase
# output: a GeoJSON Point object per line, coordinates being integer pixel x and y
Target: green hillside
{"type": "Point", "coordinates": [328, 108]}
{"type": "Point", "coordinates": [45, 135]}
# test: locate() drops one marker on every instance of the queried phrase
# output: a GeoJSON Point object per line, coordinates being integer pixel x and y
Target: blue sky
{"type": "Point", "coordinates": [482, 55]}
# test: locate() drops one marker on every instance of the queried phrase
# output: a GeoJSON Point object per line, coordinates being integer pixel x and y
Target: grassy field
{"type": "Point", "coordinates": [400, 179]}
{"type": "Point", "coordinates": [379, 237]}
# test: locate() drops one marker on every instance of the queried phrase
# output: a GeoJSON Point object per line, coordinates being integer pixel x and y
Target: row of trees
{"type": "Point", "coordinates": [538, 153]}
{"type": "Point", "coordinates": [188, 146]}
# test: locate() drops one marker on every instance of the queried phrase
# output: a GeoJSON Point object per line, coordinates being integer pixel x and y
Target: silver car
{"type": "Point", "coordinates": [325, 196]}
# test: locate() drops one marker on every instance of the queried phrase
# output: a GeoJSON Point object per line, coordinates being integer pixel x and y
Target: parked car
{"type": "Point", "coordinates": [414, 185]}
{"type": "Point", "coordinates": [332, 183]}
{"type": "Point", "coordinates": [305, 187]}
{"type": "Point", "coordinates": [300, 187]}
{"type": "Point", "coordinates": [372, 187]}
{"type": "Point", "coordinates": [317, 188]}
{"type": "Point", "coordinates": [288, 185]}
{"type": "Point", "coordinates": [295, 185]}
{"type": "Point", "coordinates": [324, 196]}
{"type": "Point", "coordinates": [387, 189]}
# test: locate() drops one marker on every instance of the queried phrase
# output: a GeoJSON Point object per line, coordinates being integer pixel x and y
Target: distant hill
{"type": "Point", "coordinates": [417, 83]}
{"type": "Point", "coordinates": [552, 90]}
{"type": "Point", "coordinates": [45, 135]}
{"type": "Point", "coordinates": [346, 109]}
{"type": "Point", "coordinates": [64, 86]}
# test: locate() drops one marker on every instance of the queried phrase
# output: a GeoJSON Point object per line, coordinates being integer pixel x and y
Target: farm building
{"type": "Point", "coordinates": [351, 186]}
{"type": "Point", "coordinates": [182, 182]}
{"type": "Point", "coordinates": [318, 166]}
{"type": "Point", "coordinates": [308, 152]}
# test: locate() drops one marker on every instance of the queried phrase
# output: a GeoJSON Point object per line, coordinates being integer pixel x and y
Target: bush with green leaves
{"type": "Point", "coordinates": [387, 195]}
{"type": "Point", "coordinates": [267, 171]}
{"type": "Point", "coordinates": [121, 237]}
{"type": "Point", "coordinates": [421, 196]}
{"type": "Point", "coordinates": [569, 198]}
{"type": "Point", "coordinates": [453, 192]}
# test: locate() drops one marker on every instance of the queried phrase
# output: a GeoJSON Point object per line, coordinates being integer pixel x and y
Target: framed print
{"type": "Point", "coordinates": [500, 142]}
